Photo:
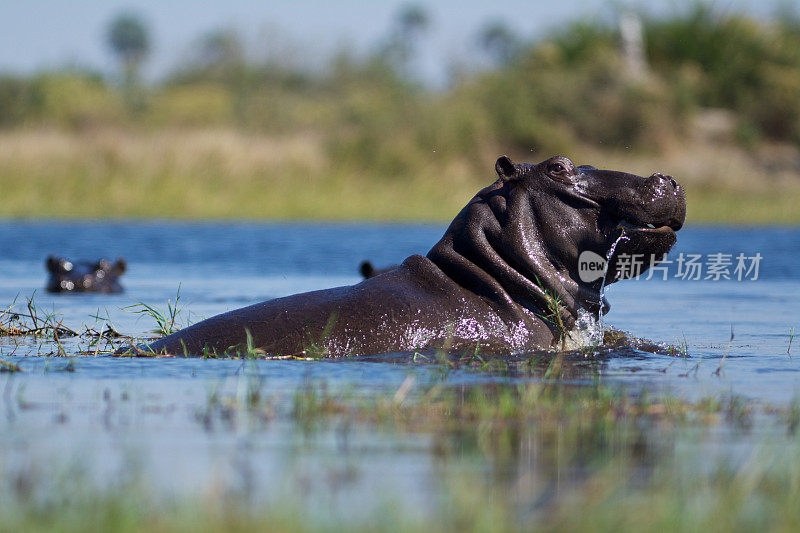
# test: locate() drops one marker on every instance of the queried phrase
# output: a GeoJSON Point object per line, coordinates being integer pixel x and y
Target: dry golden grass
{"type": "Point", "coordinates": [225, 173]}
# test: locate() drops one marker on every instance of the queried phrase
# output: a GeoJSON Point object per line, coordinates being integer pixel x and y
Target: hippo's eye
{"type": "Point", "coordinates": [555, 168]}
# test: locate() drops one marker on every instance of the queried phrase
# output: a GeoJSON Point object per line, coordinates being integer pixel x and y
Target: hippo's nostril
{"type": "Point", "coordinates": [664, 179]}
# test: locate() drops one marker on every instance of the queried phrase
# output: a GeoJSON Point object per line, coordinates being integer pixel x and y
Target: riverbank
{"type": "Point", "coordinates": [231, 174]}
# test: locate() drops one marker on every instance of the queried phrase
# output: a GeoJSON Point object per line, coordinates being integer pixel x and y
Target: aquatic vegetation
{"type": "Point", "coordinates": [168, 321]}
{"type": "Point", "coordinates": [47, 329]}
{"type": "Point", "coordinates": [616, 499]}
{"type": "Point", "coordinates": [554, 315]}
{"type": "Point", "coordinates": [317, 348]}
{"type": "Point", "coordinates": [793, 417]}
{"type": "Point", "coordinates": [441, 408]}
{"type": "Point", "coordinates": [32, 321]}
{"type": "Point", "coordinates": [534, 437]}
{"type": "Point", "coordinates": [251, 352]}
{"type": "Point", "coordinates": [103, 337]}
{"type": "Point", "coordinates": [9, 368]}
{"type": "Point", "coordinates": [506, 457]}
{"type": "Point", "coordinates": [724, 355]}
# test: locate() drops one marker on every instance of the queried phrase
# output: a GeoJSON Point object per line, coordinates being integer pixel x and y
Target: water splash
{"type": "Point", "coordinates": [603, 287]}
{"type": "Point", "coordinates": [590, 328]}
{"type": "Point", "coordinates": [587, 332]}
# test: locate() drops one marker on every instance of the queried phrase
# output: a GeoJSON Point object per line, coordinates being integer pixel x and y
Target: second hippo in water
{"type": "Point", "coordinates": [84, 276]}
{"type": "Point", "coordinates": [368, 270]}
{"type": "Point", "coordinates": [503, 278]}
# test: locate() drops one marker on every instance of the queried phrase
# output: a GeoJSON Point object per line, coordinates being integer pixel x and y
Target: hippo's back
{"type": "Point", "coordinates": [394, 311]}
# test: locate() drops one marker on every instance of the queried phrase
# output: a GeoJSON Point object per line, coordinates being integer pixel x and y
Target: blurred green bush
{"type": "Point", "coordinates": [565, 90]}
{"type": "Point", "coordinates": [64, 99]}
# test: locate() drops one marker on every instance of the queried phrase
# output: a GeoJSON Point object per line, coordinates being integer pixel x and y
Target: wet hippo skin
{"type": "Point", "coordinates": [84, 276]}
{"type": "Point", "coordinates": [503, 278]}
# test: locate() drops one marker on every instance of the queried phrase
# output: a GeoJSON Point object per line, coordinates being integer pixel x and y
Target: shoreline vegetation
{"type": "Point", "coordinates": [227, 174]}
{"type": "Point", "coordinates": [230, 134]}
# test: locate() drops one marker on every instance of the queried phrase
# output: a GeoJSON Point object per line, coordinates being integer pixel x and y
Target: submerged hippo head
{"type": "Point", "coordinates": [84, 276]}
{"type": "Point", "coordinates": [519, 240]}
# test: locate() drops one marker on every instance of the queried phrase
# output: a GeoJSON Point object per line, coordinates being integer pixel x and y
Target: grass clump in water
{"type": "Point", "coordinates": [167, 322]}
{"type": "Point", "coordinates": [32, 321]}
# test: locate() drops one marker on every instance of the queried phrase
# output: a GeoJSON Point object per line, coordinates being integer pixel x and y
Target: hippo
{"type": "Point", "coordinates": [84, 276]}
{"type": "Point", "coordinates": [503, 279]}
{"type": "Point", "coordinates": [368, 270]}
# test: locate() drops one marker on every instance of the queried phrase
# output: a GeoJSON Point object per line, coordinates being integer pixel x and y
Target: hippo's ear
{"type": "Point", "coordinates": [505, 168]}
{"type": "Point", "coordinates": [366, 269]}
{"type": "Point", "coordinates": [120, 266]}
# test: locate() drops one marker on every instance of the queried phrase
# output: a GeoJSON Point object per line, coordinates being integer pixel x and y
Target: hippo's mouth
{"type": "Point", "coordinates": [640, 245]}
{"type": "Point", "coordinates": [672, 209]}
{"type": "Point", "coordinates": [630, 228]}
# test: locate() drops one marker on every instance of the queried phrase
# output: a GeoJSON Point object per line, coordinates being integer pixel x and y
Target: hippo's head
{"type": "Point", "coordinates": [519, 240]}
{"type": "Point", "coordinates": [84, 276]}
{"type": "Point", "coordinates": [581, 208]}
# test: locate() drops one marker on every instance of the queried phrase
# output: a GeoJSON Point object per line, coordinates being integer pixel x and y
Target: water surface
{"type": "Point", "coordinates": [106, 409]}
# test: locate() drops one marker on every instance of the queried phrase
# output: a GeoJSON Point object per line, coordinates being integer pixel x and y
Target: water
{"type": "Point", "coordinates": [603, 285]}
{"type": "Point", "coordinates": [223, 266]}
{"type": "Point", "coordinates": [108, 409]}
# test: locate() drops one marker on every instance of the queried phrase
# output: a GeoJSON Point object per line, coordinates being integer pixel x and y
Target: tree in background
{"type": "Point", "coordinates": [498, 42]}
{"type": "Point", "coordinates": [221, 51]}
{"type": "Point", "coordinates": [410, 24]}
{"type": "Point", "coordinates": [129, 40]}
